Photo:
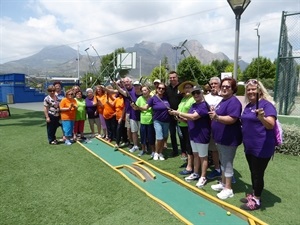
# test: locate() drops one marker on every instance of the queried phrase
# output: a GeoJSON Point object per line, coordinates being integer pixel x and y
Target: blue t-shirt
{"type": "Point", "coordinates": [258, 140]}
{"type": "Point", "coordinates": [160, 110]}
{"type": "Point", "coordinates": [200, 129]}
{"type": "Point", "coordinates": [230, 135]}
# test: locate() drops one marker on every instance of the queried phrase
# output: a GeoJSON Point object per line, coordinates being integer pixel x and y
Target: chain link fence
{"type": "Point", "coordinates": [287, 83]}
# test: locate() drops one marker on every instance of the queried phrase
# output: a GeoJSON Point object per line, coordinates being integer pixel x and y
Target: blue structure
{"type": "Point", "coordinates": [13, 89]}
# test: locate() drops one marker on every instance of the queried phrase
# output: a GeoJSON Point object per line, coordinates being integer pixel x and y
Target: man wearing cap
{"type": "Point", "coordinates": [174, 98]}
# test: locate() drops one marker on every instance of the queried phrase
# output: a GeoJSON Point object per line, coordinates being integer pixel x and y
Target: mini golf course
{"type": "Point", "coordinates": [188, 203]}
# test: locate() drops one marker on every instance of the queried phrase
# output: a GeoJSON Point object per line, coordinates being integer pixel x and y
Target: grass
{"type": "Point", "coordinates": [44, 184]}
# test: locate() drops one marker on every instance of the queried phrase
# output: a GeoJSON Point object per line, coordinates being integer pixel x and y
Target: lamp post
{"type": "Point", "coordinates": [176, 57]}
{"type": "Point", "coordinates": [238, 7]}
{"type": "Point", "coordinates": [258, 47]}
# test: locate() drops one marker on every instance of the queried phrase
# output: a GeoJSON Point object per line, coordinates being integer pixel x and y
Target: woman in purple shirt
{"type": "Point", "coordinates": [226, 131]}
{"type": "Point", "coordinates": [199, 134]}
{"type": "Point", "coordinates": [258, 120]}
{"type": "Point", "coordinates": [161, 119]}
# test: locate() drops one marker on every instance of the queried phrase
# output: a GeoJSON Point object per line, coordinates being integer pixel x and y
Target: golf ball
{"type": "Point", "coordinates": [228, 213]}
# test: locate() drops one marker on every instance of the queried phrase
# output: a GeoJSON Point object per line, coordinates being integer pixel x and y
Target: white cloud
{"type": "Point", "coordinates": [108, 25]}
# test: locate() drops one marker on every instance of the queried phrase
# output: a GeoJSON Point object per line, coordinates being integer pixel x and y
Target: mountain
{"type": "Point", "coordinates": [63, 60]}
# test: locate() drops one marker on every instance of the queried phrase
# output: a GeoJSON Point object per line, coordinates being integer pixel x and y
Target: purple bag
{"type": "Point", "coordinates": [278, 133]}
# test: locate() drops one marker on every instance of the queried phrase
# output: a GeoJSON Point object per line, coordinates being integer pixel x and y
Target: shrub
{"type": "Point", "coordinates": [291, 140]}
{"type": "Point", "coordinates": [240, 90]}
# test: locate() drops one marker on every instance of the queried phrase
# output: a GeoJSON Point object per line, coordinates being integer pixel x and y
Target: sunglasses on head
{"type": "Point", "coordinates": [252, 81]}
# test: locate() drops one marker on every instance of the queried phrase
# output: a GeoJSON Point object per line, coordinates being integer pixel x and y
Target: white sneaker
{"type": "Point", "coordinates": [217, 187]}
{"type": "Point", "coordinates": [201, 182]}
{"type": "Point", "coordinates": [133, 149]}
{"type": "Point", "coordinates": [225, 193]}
{"type": "Point", "coordinates": [161, 157]}
{"type": "Point", "coordinates": [156, 156]}
{"type": "Point", "coordinates": [193, 176]}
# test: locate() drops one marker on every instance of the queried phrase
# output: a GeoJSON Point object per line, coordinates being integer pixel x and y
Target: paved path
{"type": "Point", "coordinates": [35, 106]}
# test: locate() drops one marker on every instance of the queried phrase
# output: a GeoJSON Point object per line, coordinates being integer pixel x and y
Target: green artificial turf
{"type": "Point", "coordinates": [45, 184]}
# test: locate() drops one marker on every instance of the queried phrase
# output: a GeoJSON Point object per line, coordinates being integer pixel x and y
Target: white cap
{"type": "Point", "coordinates": [136, 83]}
{"type": "Point", "coordinates": [156, 81]}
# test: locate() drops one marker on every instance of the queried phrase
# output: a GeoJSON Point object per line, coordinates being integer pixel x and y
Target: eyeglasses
{"type": "Point", "coordinates": [252, 81]}
{"type": "Point", "coordinates": [225, 86]}
{"type": "Point", "coordinates": [160, 88]}
{"type": "Point", "coordinates": [196, 93]}
{"type": "Point", "coordinates": [51, 90]}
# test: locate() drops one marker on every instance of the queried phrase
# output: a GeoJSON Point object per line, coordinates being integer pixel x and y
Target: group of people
{"type": "Point", "coordinates": [131, 113]}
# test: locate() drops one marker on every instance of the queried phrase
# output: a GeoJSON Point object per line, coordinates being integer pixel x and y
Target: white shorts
{"type": "Point", "coordinates": [201, 149]}
{"type": "Point", "coordinates": [134, 125]}
{"type": "Point", "coordinates": [127, 121]}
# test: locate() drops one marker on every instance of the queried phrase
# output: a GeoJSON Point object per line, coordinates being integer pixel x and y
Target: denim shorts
{"type": "Point", "coordinates": [161, 130]}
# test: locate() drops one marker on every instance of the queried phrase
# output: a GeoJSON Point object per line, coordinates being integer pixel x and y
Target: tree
{"type": "Point", "coordinates": [266, 68]}
{"type": "Point", "coordinates": [159, 72]}
{"type": "Point", "coordinates": [191, 68]}
{"type": "Point", "coordinates": [230, 67]}
{"type": "Point", "coordinates": [88, 80]}
{"type": "Point", "coordinates": [220, 66]}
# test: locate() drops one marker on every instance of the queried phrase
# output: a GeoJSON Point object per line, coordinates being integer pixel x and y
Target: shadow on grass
{"type": "Point", "coordinates": [23, 118]}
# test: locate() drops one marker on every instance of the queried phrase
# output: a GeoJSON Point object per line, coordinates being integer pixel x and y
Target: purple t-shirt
{"type": "Point", "coordinates": [230, 135]}
{"type": "Point", "coordinates": [200, 129]}
{"type": "Point", "coordinates": [91, 108]}
{"type": "Point", "coordinates": [134, 114]}
{"type": "Point", "coordinates": [160, 110]}
{"type": "Point", "coordinates": [258, 140]}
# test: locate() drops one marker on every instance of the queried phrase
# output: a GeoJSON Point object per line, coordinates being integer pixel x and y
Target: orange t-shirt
{"type": "Point", "coordinates": [109, 108]}
{"type": "Point", "coordinates": [119, 105]}
{"type": "Point", "coordinates": [101, 99]}
{"type": "Point", "coordinates": [70, 114]}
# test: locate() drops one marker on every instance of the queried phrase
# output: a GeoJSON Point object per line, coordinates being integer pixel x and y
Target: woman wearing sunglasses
{"type": "Point", "coordinates": [68, 107]}
{"type": "Point", "coordinates": [227, 133]}
{"type": "Point", "coordinates": [51, 111]}
{"type": "Point", "coordinates": [199, 134]}
{"type": "Point", "coordinates": [161, 118]}
{"type": "Point", "coordinates": [258, 120]}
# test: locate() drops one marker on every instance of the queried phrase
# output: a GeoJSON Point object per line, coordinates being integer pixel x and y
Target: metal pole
{"type": "Point", "coordinates": [258, 54]}
{"type": "Point", "coordinates": [236, 47]}
{"type": "Point", "coordinates": [78, 63]}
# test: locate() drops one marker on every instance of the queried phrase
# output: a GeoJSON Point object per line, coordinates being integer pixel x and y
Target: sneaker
{"type": "Point", "coordinates": [152, 155]}
{"type": "Point", "coordinates": [133, 149]}
{"type": "Point", "coordinates": [217, 187]}
{"type": "Point", "coordinates": [201, 182]}
{"type": "Point", "coordinates": [155, 156]}
{"type": "Point", "coordinates": [68, 142]}
{"type": "Point", "coordinates": [250, 205]}
{"type": "Point", "coordinates": [141, 153]}
{"type": "Point", "coordinates": [214, 174]}
{"type": "Point", "coordinates": [193, 176]}
{"type": "Point", "coordinates": [225, 193]}
{"type": "Point", "coordinates": [161, 157]}
{"type": "Point", "coordinates": [247, 198]}
{"type": "Point", "coordinates": [186, 172]}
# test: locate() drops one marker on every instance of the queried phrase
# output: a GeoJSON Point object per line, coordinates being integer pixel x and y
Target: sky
{"type": "Point", "coordinates": [27, 26]}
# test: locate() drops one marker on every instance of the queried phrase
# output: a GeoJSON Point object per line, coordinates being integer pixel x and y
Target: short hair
{"type": "Point", "coordinates": [173, 71]}
{"type": "Point", "coordinates": [215, 78]}
{"type": "Point", "coordinates": [232, 83]}
{"type": "Point", "coordinates": [51, 88]}
{"type": "Point", "coordinates": [56, 82]}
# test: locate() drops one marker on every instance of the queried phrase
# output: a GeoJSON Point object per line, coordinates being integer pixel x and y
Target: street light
{"type": "Point", "coordinates": [238, 7]}
{"type": "Point", "coordinates": [176, 57]}
{"type": "Point", "coordinates": [258, 47]}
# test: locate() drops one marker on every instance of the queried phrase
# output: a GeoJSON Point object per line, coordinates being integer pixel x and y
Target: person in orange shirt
{"type": "Point", "coordinates": [99, 100]}
{"type": "Point", "coordinates": [120, 117]}
{"type": "Point", "coordinates": [68, 107]}
{"type": "Point", "coordinates": [109, 114]}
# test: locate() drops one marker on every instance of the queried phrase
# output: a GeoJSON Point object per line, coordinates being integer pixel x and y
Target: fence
{"type": "Point", "coordinates": [287, 86]}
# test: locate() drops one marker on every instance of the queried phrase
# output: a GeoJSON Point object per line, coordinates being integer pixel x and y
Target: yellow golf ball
{"type": "Point", "coordinates": [228, 213]}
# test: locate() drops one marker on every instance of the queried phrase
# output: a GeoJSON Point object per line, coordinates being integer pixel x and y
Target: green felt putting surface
{"type": "Point", "coordinates": [190, 205]}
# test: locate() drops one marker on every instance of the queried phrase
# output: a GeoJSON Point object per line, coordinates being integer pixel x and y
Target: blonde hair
{"type": "Point", "coordinates": [263, 91]}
